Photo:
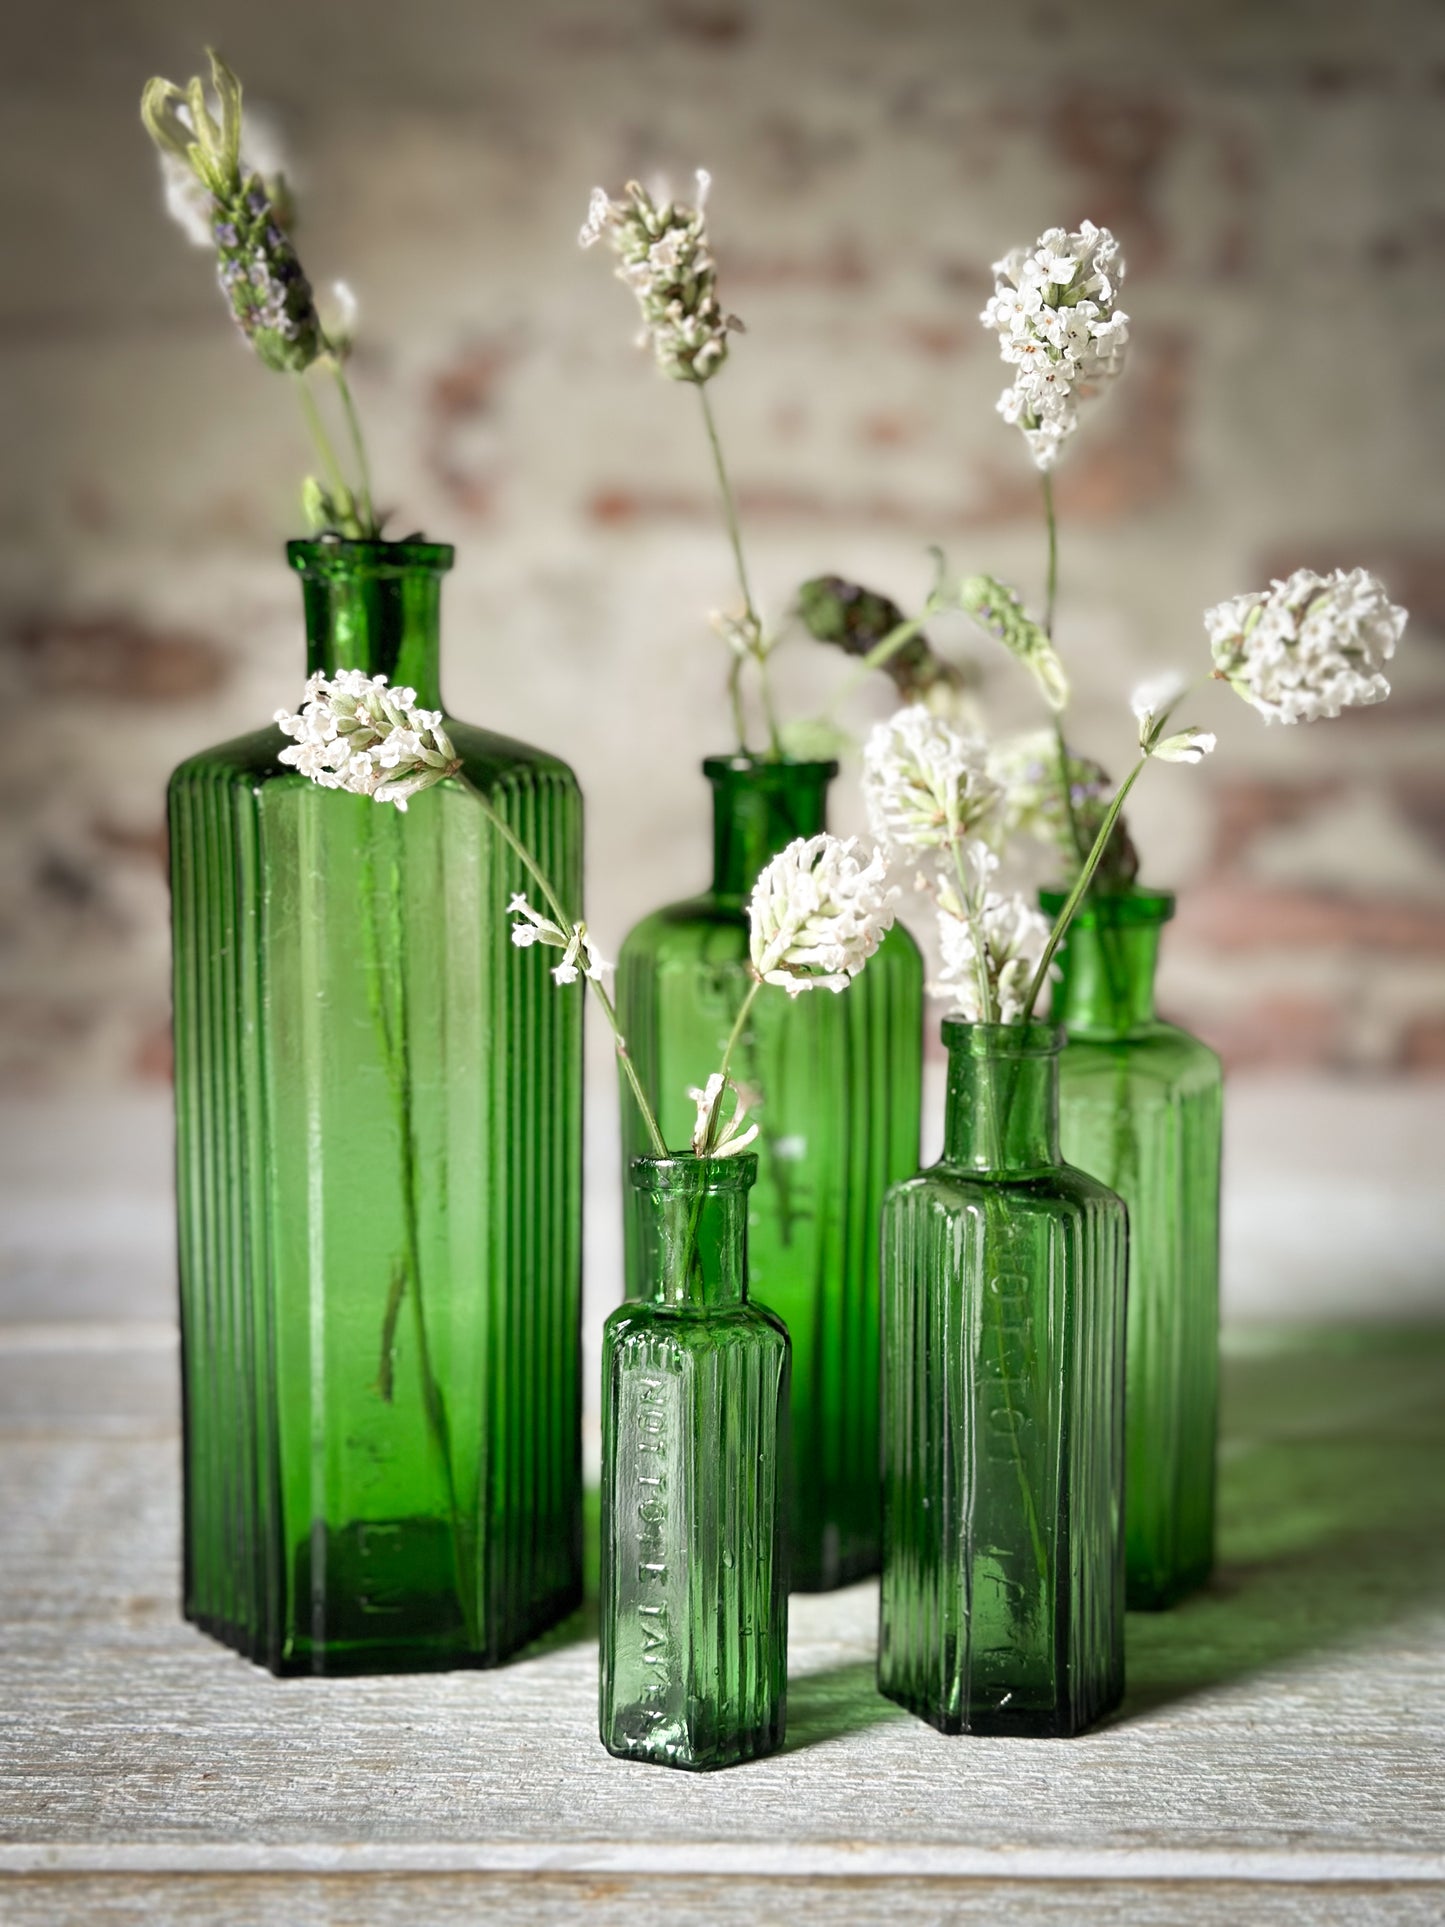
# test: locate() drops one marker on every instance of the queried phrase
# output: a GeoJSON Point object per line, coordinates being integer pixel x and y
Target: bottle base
{"type": "Point", "coordinates": [1153, 1594]}
{"type": "Point", "coordinates": [752, 1746]}
{"type": "Point", "coordinates": [1002, 1722]}
{"type": "Point", "coordinates": [382, 1597]}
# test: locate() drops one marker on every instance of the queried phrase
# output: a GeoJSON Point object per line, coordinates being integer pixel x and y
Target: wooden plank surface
{"type": "Point", "coordinates": [1281, 1734]}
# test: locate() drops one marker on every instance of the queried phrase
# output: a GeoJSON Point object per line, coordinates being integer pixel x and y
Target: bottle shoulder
{"type": "Point", "coordinates": [1164, 1054]}
{"type": "Point", "coordinates": [692, 1329]}
{"type": "Point", "coordinates": [1058, 1187]}
{"type": "Point", "coordinates": [489, 761]}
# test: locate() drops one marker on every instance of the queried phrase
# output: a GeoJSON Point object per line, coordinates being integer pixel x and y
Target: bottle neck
{"type": "Point", "coordinates": [1002, 1116]}
{"type": "Point", "coordinates": [758, 809]}
{"type": "Point", "coordinates": [1107, 962]}
{"type": "Point", "coordinates": [692, 1220]}
{"type": "Point", "coordinates": [376, 607]}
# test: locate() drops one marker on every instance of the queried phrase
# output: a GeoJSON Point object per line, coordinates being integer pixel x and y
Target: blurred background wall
{"type": "Point", "coordinates": [1276, 176]}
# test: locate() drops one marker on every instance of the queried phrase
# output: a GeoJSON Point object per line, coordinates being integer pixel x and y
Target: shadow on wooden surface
{"type": "Point", "coordinates": [1331, 1516]}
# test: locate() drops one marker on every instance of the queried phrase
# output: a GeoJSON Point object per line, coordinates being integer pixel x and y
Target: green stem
{"type": "Point", "coordinates": [1051, 581]}
{"type": "Point", "coordinates": [1080, 889]}
{"type": "Point", "coordinates": [735, 538]}
{"type": "Point", "coordinates": [363, 467]}
{"type": "Point", "coordinates": [599, 990]}
{"type": "Point", "coordinates": [317, 429]}
{"type": "Point", "coordinates": [709, 1139]}
{"type": "Point", "coordinates": [877, 656]}
{"type": "Point", "coordinates": [391, 1029]}
{"type": "Point", "coordinates": [974, 913]}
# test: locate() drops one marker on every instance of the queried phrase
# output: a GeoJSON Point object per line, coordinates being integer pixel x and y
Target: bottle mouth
{"type": "Point", "coordinates": [686, 1173]}
{"type": "Point", "coordinates": [333, 559]}
{"type": "Point", "coordinates": [1114, 909]}
{"type": "Point", "coordinates": [1002, 1040]}
{"type": "Point", "coordinates": [762, 771]}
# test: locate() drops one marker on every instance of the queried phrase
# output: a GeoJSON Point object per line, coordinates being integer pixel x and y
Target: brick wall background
{"type": "Point", "coordinates": [1275, 173]}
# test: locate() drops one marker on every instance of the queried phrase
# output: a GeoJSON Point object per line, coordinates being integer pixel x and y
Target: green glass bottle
{"type": "Point", "coordinates": [694, 1591]}
{"type": "Point", "coordinates": [1003, 1411]}
{"type": "Point", "coordinates": [840, 1079]}
{"type": "Point", "coordinates": [1140, 1108]}
{"type": "Point", "coordinates": [378, 1170]}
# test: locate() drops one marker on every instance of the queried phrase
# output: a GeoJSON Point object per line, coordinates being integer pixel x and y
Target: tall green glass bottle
{"type": "Point", "coordinates": [694, 1612]}
{"type": "Point", "coordinates": [1141, 1109]}
{"type": "Point", "coordinates": [1003, 1411]}
{"type": "Point", "coordinates": [840, 1079]}
{"type": "Point", "coordinates": [378, 1177]}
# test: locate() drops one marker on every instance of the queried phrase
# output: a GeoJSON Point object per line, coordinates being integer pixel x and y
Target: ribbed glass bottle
{"type": "Point", "coordinates": [378, 1172]}
{"type": "Point", "coordinates": [1003, 1411]}
{"type": "Point", "coordinates": [1140, 1108]}
{"type": "Point", "coordinates": [694, 1613]}
{"type": "Point", "coordinates": [840, 1080]}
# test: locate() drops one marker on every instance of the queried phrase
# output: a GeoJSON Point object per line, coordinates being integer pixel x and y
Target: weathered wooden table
{"type": "Point", "coordinates": [1278, 1758]}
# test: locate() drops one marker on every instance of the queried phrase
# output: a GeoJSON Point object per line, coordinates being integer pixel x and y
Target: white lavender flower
{"type": "Point", "coordinates": [926, 786]}
{"type": "Point", "coordinates": [1014, 937]}
{"type": "Point", "coordinates": [580, 956]}
{"type": "Point", "coordinates": [354, 732]}
{"type": "Point", "coordinates": [818, 912]}
{"type": "Point", "coordinates": [1308, 647]}
{"type": "Point", "coordinates": [730, 1137]}
{"type": "Point", "coordinates": [1054, 311]}
{"type": "Point", "coordinates": [661, 245]}
{"type": "Point", "coordinates": [245, 216]}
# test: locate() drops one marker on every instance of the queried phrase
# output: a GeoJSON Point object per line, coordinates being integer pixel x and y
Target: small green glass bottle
{"type": "Point", "coordinates": [1002, 1606]}
{"type": "Point", "coordinates": [840, 1080]}
{"type": "Point", "coordinates": [378, 1162]}
{"type": "Point", "coordinates": [1140, 1108]}
{"type": "Point", "coordinates": [694, 1592]}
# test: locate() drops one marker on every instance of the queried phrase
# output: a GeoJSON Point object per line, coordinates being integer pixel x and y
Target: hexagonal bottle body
{"type": "Point", "coordinates": [840, 1078]}
{"type": "Point", "coordinates": [694, 1594]}
{"type": "Point", "coordinates": [1140, 1108]}
{"type": "Point", "coordinates": [378, 1171]}
{"type": "Point", "coordinates": [1003, 1332]}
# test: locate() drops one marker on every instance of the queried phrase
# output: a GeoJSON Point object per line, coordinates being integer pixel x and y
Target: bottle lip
{"type": "Point", "coordinates": [1114, 909]}
{"type": "Point", "coordinates": [767, 771]}
{"type": "Point", "coordinates": [1002, 1040]}
{"type": "Point", "coordinates": [334, 559]}
{"type": "Point", "coordinates": [683, 1172]}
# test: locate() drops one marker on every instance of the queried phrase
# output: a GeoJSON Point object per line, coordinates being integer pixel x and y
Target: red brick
{"type": "Point", "coordinates": [1117, 141]}
{"type": "Point", "coordinates": [1422, 1045]}
{"type": "Point", "coordinates": [119, 657]}
{"type": "Point", "coordinates": [1242, 916]}
{"type": "Point", "coordinates": [1286, 1029]}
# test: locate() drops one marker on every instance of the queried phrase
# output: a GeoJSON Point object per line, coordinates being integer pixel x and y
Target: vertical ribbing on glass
{"type": "Point", "coordinates": [382, 1425]}
{"type": "Point", "coordinates": [840, 1078]}
{"type": "Point", "coordinates": [1002, 1592]}
{"type": "Point", "coordinates": [1140, 1108]}
{"type": "Point", "coordinates": [1144, 1118]}
{"type": "Point", "coordinates": [693, 1606]}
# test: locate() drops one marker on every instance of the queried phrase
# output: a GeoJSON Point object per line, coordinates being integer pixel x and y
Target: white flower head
{"type": "Point", "coordinates": [354, 732]}
{"type": "Point", "coordinates": [1014, 936]}
{"type": "Point", "coordinates": [818, 912]}
{"type": "Point", "coordinates": [1055, 314]}
{"type": "Point", "coordinates": [1309, 647]}
{"type": "Point", "coordinates": [716, 1137]}
{"type": "Point", "coordinates": [926, 786]}
{"type": "Point", "coordinates": [662, 251]}
{"type": "Point", "coordinates": [580, 956]}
